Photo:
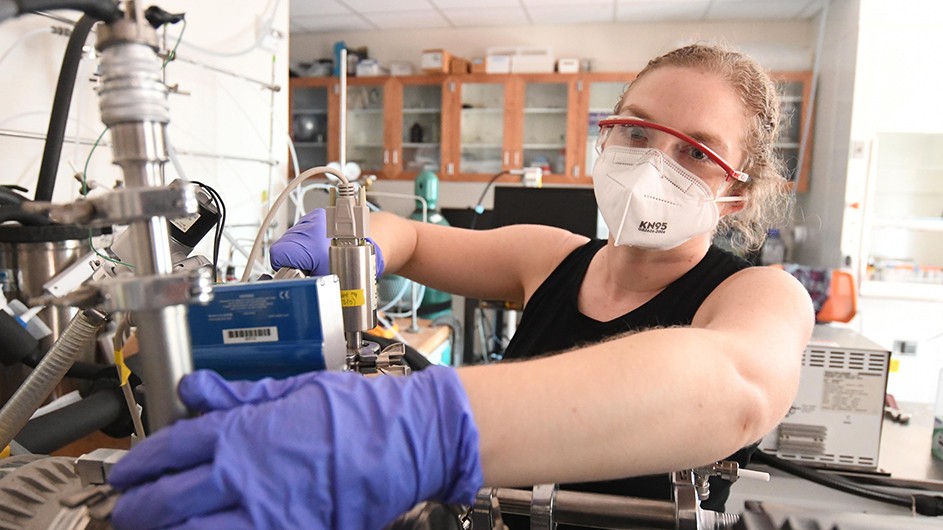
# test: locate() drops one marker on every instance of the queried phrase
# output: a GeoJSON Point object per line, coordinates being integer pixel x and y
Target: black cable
{"type": "Point", "coordinates": [104, 10]}
{"type": "Point", "coordinates": [220, 223]}
{"type": "Point", "coordinates": [922, 504]}
{"type": "Point", "coordinates": [476, 210]}
{"type": "Point", "coordinates": [63, 426]}
{"type": "Point", "coordinates": [62, 100]}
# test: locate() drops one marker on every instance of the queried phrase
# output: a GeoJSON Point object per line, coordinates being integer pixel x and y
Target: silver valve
{"type": "Point", "coordinates": [725, 469]}
{"type": "Point", "coordinates": [353, 259]}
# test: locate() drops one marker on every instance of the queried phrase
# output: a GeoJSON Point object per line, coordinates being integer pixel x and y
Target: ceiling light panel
{"type": "Point", "coordinates": [660, 10]}
{"type": "Point", "coordinates": [330, 23]}
{"type": "Point", "coordinates": [302, 8]}
{"type": "Point", "coordinates": [752, 10]}
{"type": "Point", "coordinates": [478, 4]}
{"type": "Point", "coordinates": [386, 6]}
{"type": "Point", "coordinates": [588, 14]}
{"type": "Point", "coordinates": [408, 20]}
{"type": "Point", "coordinates": [487, 17]}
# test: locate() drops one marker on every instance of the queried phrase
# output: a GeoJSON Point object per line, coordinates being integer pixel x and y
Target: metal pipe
{"type": "Point", "coordinates": [166, 357]}
{"type": "Point", "coordinates": [10, 133]}
{"type": "Point", "coordinates": [343, 114]}
{"type": "Point", "coordinates": [134, 106]}
{"type": "Point", "coordinates": [595, 510]}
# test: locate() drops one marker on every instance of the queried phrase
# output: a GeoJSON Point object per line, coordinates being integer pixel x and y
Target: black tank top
{"type": "Point", "coordinates": [552, 323]}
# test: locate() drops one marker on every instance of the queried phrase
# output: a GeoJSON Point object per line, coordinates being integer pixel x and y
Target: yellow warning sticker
{"type": "Point", "coordinates": [895, 366]}
{"type": "Point", "coordinates": [353, 298]}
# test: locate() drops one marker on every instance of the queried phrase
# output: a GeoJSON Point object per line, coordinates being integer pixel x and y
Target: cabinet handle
{"type": "Point", "coordinates": [450, 168]}
{"type": "Point", "coordinates": [507, 158]}
{"type": "Point", "coordinates": [386, 156]}
{"type": "Point", "coordinates": [395, 156]}
{"type": "Point", "coordinates": [576, 171]}
{"type": "Point", "coordinates": [517, 159]}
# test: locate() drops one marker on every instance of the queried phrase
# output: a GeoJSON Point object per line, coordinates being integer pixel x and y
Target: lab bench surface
{"type": "Point", "coordinates": [905, 449]}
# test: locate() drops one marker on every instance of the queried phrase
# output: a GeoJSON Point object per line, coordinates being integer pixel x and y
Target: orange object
{"type": "Point", "coordinates": [842, 302]}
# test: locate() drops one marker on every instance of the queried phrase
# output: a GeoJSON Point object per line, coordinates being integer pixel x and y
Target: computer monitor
{"type": "Point", "coordinates": [570, 208]}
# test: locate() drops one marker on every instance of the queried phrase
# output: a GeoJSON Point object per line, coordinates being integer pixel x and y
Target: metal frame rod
{"type": "Point", "coordinates": [85, 141]}
{"type": "Point", "coordinates": [595, 510]}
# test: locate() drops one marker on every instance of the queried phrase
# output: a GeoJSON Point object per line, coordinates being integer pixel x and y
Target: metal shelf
{"type": "Point", "coordinates": [926, 291]}
{"type": "Point", "coordinates": [923, 224]}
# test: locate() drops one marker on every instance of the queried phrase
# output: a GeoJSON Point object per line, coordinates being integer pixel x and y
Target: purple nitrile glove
{"type": "Point", "coordinates": [319, 450]}
{"type": "Point", "coordinates": [304, 246]}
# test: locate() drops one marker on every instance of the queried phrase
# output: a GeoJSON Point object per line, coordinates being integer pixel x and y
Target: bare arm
{"type": "Point", "coordinates": [501, 264]}
{"type": "Point", "coordinates": [654, 401]}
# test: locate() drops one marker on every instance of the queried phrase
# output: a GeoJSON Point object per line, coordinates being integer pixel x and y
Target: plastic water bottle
{"type": "Point", "coordinates": [774, 249]}
{"type": "Point", "coordinates": [936, 445]}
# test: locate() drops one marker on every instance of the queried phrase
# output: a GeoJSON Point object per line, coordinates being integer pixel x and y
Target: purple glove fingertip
{"type": "Point", "coordinates": [380, 263]}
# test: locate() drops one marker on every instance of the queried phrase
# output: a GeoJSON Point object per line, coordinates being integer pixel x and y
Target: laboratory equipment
{"type": "Point", "coordinates": [836, 418]}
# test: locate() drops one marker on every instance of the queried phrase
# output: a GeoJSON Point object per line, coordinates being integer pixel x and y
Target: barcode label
{"type": "Point", "coordinates": [238, 336]}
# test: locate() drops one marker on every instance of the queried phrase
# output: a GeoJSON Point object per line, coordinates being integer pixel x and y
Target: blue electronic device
{"type": "Point", "coordinates": [274, 328]}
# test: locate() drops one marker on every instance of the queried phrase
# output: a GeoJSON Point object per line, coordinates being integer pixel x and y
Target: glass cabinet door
{"type": "Point", "coordinates": [365, 139]}
{"type": "Point", "coordinates": [603, 96]}
{"type": "Point", "coordinates": [481, 128]}
{"type": "Point", "coordinates": [309, 124]}
{"type": "Point", "coordinates": [422, 127]}
{"type": "Point", "coordinates": [545, 127]}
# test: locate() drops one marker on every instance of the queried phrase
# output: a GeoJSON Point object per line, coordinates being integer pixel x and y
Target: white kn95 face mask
{"type": "Point", "coordinates": [649, 201]}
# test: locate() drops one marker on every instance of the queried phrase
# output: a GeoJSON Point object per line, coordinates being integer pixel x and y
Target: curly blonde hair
{"type": "Point", "coordinates": [768, 200]}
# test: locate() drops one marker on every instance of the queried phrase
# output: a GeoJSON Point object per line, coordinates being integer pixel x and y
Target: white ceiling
{"type": "Point", "coordinates": [319, 16]}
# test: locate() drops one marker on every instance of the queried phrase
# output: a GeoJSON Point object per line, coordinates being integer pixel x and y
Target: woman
{"type": "Point", "coordinates": [679, 354]}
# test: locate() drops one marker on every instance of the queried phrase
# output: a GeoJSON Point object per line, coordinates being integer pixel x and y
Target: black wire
{"type": "Point", "coordinates": [923, 504]}
{"type": "Point", "coordinates": [104, 10]}
{"type": "Point", "coordinates": [220, 224]}
{"type": "Point", "coordinates": [62, 101]}
{"type": "Point", "coordinates": [481, 199]}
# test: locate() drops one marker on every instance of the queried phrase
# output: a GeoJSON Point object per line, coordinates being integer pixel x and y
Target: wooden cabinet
{"type": "Point", "coordinates": [313, 124]}
{"type": "Point", "coordinates": [416, 124]}
{"type": "Point", "coordinates": [599, 95]}
{"type": "Point", "coordinates": [480, 126]}
{"type": "Point", "coordinates": [504, 122]}
{"type": "Point", "coordinates": [471, 127]}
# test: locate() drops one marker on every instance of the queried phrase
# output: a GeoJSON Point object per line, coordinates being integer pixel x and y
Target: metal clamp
{"type": "Point", "coordinates": [139, 293]}
{"type": "Point", "coordinates": [685, 499]}
{"type": "Point", "coordinates": [93, 468]}
{"type": "Point", "coordinates": [390, 361]}
{"type": "Point", "coordinates": [542, 503]}
{"type": "Point", "coordinates": [124, 206]}
{"type": "Point", "coordinates": [486, 512]}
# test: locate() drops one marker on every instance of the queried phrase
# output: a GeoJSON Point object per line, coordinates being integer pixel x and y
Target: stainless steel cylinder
{"type": "Point", "coordinates": [25, 267]}
{"type": "Point", "coordinates": [355, 264]}
{"type": "Point", "coordinates": [595, 510]}
{"type": "Point", "coordinates": [164, 336]}
{"type": "Point", "coordinates": [133, 103]}
{"type": "Point", "coordinates": [34, 264]}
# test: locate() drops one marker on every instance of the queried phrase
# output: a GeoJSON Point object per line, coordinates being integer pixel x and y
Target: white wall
{"type": "Point", "coordinates": [216, 115]}
{"type": "Point", "coordinates": [820, 211]}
